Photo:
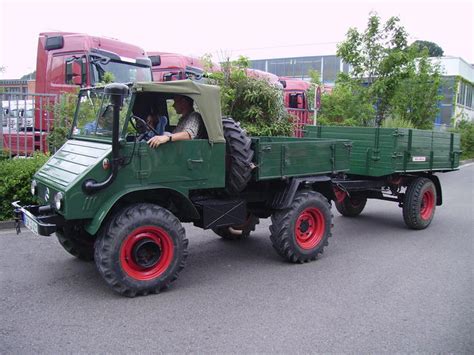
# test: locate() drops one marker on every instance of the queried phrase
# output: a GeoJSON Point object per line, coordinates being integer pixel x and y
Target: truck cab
{"type": "Point", "coordinates": [172, 66]}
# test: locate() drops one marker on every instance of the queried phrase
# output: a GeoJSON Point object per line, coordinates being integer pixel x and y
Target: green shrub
{"type": "Point", "coordinates": [254, 102]}
{"type": "Point", "coordinates": [466, 129]}
{"type": "Point", "coordinates": [397, 123]}
{"type": "Point", "coordinates": [15, 180]}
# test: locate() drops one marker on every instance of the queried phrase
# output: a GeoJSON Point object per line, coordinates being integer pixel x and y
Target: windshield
{"type": "Point", "coordinates": [120, 72]}
{"type": "Point", "coordinates": [94, 114]}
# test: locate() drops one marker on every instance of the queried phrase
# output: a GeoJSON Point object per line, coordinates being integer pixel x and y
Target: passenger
{"type": "Point", "coordinates": [190, 125]}
{"type": "Point", "coordinates": [158, 123]}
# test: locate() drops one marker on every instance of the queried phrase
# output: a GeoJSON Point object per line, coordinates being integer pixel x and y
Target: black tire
{"type": "Point", "coordinates": [351, 206]}
{"type": "Point", "coordinates": [238, 232]}
{"type": "Point", "coordinates": [419, 204]}
{"type": "Point", "coordinates": [239, 156]}
{"type": "Point", "coordinates": [142, 250]}
{"type": "Point", "coordinates": [301, 232]}
{"type": "Point", "coordinates": [76, 241]}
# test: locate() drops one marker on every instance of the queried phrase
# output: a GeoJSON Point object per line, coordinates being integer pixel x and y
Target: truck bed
{"type": "Point", "coordinates": [384, 151]}
{"type": "Point", "coordinates": [282, 157]}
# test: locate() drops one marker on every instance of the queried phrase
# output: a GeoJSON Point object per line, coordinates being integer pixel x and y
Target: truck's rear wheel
{"type": "Point", "coordinates": [238, 232]}
{"type": "Point", "coordinates": [239, 156]}
{"type": "Point", "coordinates": [142, 250]}
{"type": "Point", "coordinates": [301, 232]}
{"type": "Point", "coordinates": [351, 206]}
{"type": "Point", "coordinates": [76, 241]}
{"type": "Point", "coordinates": [419, 204]}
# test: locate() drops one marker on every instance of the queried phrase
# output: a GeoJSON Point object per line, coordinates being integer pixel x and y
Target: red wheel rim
{"type": "Point", "coordinates": [146, 253]}
{"type": "Point", "coordinates": [309, 228]}
{"type": "Point", "coordinates": [427, 204]}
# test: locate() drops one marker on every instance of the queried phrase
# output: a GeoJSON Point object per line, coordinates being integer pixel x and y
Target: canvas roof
{"type": "Point", "coordinates": [206, 97]}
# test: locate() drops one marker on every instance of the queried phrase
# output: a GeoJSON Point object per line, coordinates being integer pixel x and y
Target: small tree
{"type": "Point", "coordinates": [348, 104]}
{"type": "Point", "coordinates": [397, 83]}
{"type": "Point", "coordinates": [416, 97]}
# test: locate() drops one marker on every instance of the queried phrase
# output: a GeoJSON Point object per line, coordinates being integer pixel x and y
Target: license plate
{"type": "Point", "coordinates": [30, 223]}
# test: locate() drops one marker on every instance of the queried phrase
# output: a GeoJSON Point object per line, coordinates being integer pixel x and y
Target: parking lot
{"type": "Point", "coordinates": [379, 287]}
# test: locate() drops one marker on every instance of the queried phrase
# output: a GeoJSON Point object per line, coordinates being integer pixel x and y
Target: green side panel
{"type": "Point", "coordinates": [384, 151]}
{"type": "Point", "coordinates": [179, 166]}
{"type": "Point", "coordinates": [280, 157]}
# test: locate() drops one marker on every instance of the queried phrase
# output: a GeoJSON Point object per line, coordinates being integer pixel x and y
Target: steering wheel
{"type": "Point", "coordinates": [142, 127]}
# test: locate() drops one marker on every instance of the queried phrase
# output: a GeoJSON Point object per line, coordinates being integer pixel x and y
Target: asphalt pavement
{"type": "Point", "coordinates": [379, 287]}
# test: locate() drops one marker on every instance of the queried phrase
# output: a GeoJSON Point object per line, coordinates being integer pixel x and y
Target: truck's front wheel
{"type": "Point", "coordinates": [300, 232]}
{"type": "Point", "coordinates": [142, 250]}
{"type": "Point", "coordinates": [76, 241]}
{"type": "Point", "coordinates": [419, 203]}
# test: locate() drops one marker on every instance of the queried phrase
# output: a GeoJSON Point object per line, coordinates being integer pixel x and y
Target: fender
{"type": "Point", "coordinates": [186, 212]}
{"type": "Point", "coordinates": [320, 184]}
{"type": "Point", "coordinates": [439, 192]}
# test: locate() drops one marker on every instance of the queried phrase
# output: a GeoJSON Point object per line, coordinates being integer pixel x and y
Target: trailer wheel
{"type": "Point", "coordinates": [76, 241]}
{"type": "Point", "coordinates": [238, 232]}
{"type": "Point", "coordinates": [239, 156]}
{"type": "Point", "coordinates": [351, 206]}
{"type": "Point", "coordinates": [142, 250]}
{"type": "Point", "coordinates": [301, 232]}
{"type": "Point", "coordinates": [419, 203]}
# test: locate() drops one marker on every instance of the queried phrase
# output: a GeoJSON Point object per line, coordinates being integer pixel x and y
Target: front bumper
{"type": "Point", "coordinates": [41, 220]}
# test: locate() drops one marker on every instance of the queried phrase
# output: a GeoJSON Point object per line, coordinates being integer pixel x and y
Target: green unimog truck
{"type": "Point", "coordinates": [108, 196]}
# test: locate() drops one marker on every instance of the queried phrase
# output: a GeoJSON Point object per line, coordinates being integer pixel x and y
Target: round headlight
{"type": "Point", "coordinates": [33, 187]}
{"type": "Point", "coordinates": [58, 200]}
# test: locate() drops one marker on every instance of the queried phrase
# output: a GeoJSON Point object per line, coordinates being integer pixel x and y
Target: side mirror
{"type": "Point", "coordinates": [74, 71]}
{"type": "Point", "coordinates": [155, 60]}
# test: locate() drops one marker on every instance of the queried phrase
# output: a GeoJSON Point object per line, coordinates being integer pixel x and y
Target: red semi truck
{"type": "Point", "coordinates": [65, 62]}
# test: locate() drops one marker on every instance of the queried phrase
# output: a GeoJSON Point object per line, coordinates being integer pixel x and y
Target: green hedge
{"type": "Point", "coordinates": [15, 180]}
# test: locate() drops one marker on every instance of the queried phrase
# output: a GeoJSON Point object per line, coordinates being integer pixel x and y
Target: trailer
{"type": "Point", "coordinates": [393, 164]}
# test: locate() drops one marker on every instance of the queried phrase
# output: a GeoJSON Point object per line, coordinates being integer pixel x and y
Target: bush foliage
{"type": "Point", "coordinates": [254, 102]}
{"type": "Point", "coordinates": [15, 181]}
{"type": "Point", "coordinates": [466, 129]}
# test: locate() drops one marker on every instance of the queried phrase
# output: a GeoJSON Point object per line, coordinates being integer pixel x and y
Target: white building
{"type": "Point", "coordinates": [457, 90]}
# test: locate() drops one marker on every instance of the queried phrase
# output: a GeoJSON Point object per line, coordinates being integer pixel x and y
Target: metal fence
{"type": "Point", "coordinates": [26, 121]}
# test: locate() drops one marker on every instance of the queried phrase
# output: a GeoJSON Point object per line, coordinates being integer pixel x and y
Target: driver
{"type": "Point", "coordinates": [190, 124]}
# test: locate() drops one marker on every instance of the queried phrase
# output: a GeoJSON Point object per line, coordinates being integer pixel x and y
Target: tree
{"type": "Point", "coordinates": [389, 70]}
{"type": "Point", "coordinates": [416, 97]}
{"type": "Point", "coordinates": [433, 49]}
{"type": "Point", "coordinates": [348, 104]}
{"type": "Point", "coordinates": [377, 57]}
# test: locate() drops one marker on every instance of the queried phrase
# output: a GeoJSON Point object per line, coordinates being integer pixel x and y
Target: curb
{"type": "Point", "coordinates": [7, 225]}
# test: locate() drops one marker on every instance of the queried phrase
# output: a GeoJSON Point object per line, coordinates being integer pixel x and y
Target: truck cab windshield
{"type": "Point", "coordinates": [94, 114]}
{"type": "Point", "coordinates": [121, 72]}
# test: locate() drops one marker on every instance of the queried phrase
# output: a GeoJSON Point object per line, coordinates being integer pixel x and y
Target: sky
{"type": "Point", "coordinates": [257, 29]}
